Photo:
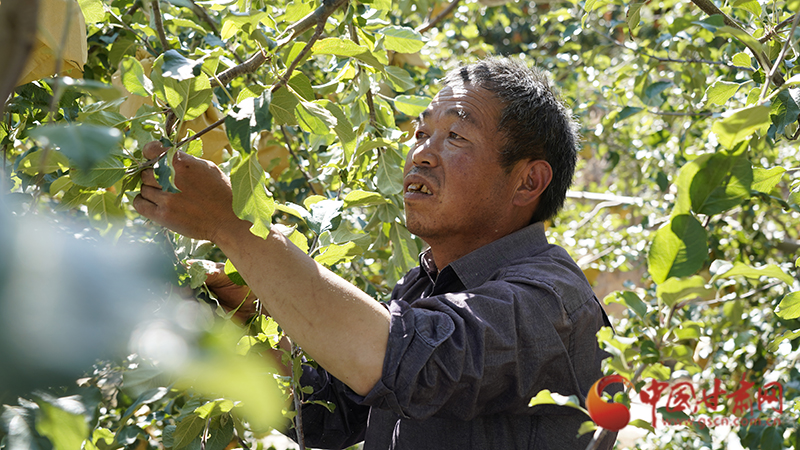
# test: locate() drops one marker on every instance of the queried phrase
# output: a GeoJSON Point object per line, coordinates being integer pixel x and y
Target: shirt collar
{"type": "Point", "coordinates": [476, 267]}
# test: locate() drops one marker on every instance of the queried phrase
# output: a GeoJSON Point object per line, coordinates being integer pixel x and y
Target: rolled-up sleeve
{"type": "Point", "coordinates": [481, 351]}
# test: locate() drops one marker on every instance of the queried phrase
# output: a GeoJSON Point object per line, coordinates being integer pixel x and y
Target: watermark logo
{"type": "Point", "coordinates": [681, 403]}
{"type": "Point", "coordinates": [611, 416]}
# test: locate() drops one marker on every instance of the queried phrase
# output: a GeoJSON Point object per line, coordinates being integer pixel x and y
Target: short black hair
{"type": "Point", "coordinates": [534, 122]}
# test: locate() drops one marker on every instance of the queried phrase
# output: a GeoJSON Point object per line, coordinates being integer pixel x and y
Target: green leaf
{"type": "Point", "coordinates": [652, 93]}
{"type": "Point", "coordinates": [343, 128]}
{"type": "Point", "coordinates": [720, 92]}
{"type": "Point", "coordinates": [148, 397]}
{"type": "Point", "coordinates": [84, 145]}
{"type": "Point", "coordinates": [104, 212]}
{"type": "Point", "coordinates": [712, 23]}
{"type": "Point", "coordinates": [103, 175]}
{"type": "Point", "coordinates": [62, 420]}
{"type": "Point", "coordinates": [334, 253]}
{"type": "Point", "coordinates": [411, 105]}
{"type": "Point", "coordinates": [399, 78]}
{"type": "Point", "coordinates": [633, 16]}
{"type": "Point", "coordinates": [587, 427]}
{"type": "Point", "coordinates": [390, 175]}
{"type": "Point", "coordinates": [765, 180]}
{"type": "Point", "coordinates": [221, 433]}
{"type": "Point", "coordinates": [785, 109]}
{"type": "Point", "coordinates": [189, 98]}
{"type": "Point", "coordinates": [629, 299]}
{"type": "Point", "coordinates": [639, 423]}
{"type": "Point", "coordinates": [545, 397]}
{"type": "Point", "coordinates": [769, 270]}
{"type": "Point", "coordinates": [282, 107]}
{"type": "Point", "coordinates": [178, 67]}
{"type": "Point", "coordinates": [627, 112]}
{"type": "Point", "coordinates": [134, 79]}
{"type": "Point", "coordinates": [189, 428]}
{"type": "Point", "coordinates": [772, 438]}
{"type": "Point", "coordinates": [346, 48]}
{"type": "Point", "coordinates": [92, 10]}
{"type": "Point", "coordinates": [325, 215]}
{"type": "Point", "coordinates": [165, 173]}
{"type": "Point", "coordinates": [251, 201]}
{"type": "Point", "coordinates": [363, 198]}
{"type": "Point", "coordinates": [723, 182]}
{"type": "Point", "coordinates": [314, 118]}
{"type": "Point", "coordinates": [214, 408]}
{"type": "Point", "coordinates": [789, 307]}
{"type": "Point", "coordinates": [233, 274]}
{"type": "Point", "coordinates": [742, 59]}
{"type": "Point", "coordinates": [791, 335]}
{"type": "Point", "coordinates": [741, 35]}
{"type": "Point", "coordinates": [402, 39]}
{"type": "Point", "coordinates": [750, 6]}
{"type": "Point", "coordinates": [41, 161]}
{"type": "Point", "coordinates": [676, 289]}
{"type": "Point", "coordinates": [679, 249]}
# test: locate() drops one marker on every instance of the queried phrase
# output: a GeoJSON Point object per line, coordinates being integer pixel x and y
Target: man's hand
{"type": "Point", "coordinates": [202, 210]}
{"type": "Point", "coordinates": [229, 294]}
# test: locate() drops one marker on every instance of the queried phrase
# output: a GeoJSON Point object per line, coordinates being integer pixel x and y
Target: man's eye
{"type": "Point", "coordinates": [419, 134]}
{"type": "Point", "coordinates": [454, 136]}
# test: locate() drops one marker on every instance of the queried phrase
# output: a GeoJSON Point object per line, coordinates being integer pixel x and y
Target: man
{"type": "Point", "coordinates": [493, 314]}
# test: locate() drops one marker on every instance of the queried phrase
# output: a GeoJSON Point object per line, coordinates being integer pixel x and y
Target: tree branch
{"type": "Point", "coordinates": [774, 32]}
{"type": "Point", "coordinates": [159, 24]}
{"type": "Point", "coordinates": [445, 12]}
{"type": "Point", "coordinates": [249, 66]}
{"type": "Point", "coordinates": [711, 9]}
{"type": "Point", "coordinates": [781, 56]}
{"type": "Point", "coordinates": [319, 15]}
{"type": "Point", "coordinates": [286, 75]}
{"type": "Point", "coordinates": [18, 31]}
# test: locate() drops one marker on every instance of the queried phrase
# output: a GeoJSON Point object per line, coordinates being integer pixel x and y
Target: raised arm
{"type": "Point", "coordinates": [340, 326]}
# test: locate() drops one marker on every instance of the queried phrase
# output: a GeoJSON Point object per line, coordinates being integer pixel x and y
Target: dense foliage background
{"type": "Point", "coordinates": [683, 213]}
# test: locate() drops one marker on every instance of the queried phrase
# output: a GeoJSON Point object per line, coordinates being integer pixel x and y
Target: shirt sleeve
{"type": "Point", "coordinates": [488, 350]}
{"type": "Point", "coordinates": [344, 426]}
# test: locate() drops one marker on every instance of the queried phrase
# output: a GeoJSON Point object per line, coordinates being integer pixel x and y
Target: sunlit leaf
{"type": "Point", "coordinates": [679, 249]}
{"type": "Point", "coordinates": [765, 180]}
{"type": "Point", "coordinates": [334, 254]}
{"type": "Point", "coordinates": [676, 289]}
{"type": "Point", "coordinates": [789, 307]}
{"type": "Point", "coordinates": [134, 79]}
{"type": "Point", "coordinates": [62, 420]}
{"type": "Point", "coordinates": [251, 201]}
{"type": "Point", "coordinates": [402, 39]}
{"type": "Point", "coordinates": [739, 124]}
{"type": "Point", "coordinates": [411, 105]}
{"type": "Point", "coordinates": [744, 270]}
{"type": "Point", "coordinates": [720, 92]}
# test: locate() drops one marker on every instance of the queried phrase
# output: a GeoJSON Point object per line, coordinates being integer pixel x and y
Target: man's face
{"type": "Point", "coordinates": [455, 189]}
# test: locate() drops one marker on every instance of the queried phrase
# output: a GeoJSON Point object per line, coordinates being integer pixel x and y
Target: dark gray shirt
{"type": "Point", "coordinates": [468, 348]}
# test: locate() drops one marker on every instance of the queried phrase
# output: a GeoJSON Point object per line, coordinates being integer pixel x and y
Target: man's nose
{"type": "Point", "coordinates": [427, 153]}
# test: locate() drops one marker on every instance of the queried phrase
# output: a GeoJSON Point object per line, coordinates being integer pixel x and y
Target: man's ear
{"type": "Point", "coordinates": [534, 178]}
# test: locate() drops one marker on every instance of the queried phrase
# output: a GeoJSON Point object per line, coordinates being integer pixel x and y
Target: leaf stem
{"type": "Point", "coordinates": [285, 78]}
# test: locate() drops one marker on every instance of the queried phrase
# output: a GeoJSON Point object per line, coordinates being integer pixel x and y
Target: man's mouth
{"type": "Point", "coordinates": [419, 187]}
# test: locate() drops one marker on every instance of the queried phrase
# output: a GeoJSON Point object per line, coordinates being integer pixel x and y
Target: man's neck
{"type": "Point", "coordinates": [445, 251]}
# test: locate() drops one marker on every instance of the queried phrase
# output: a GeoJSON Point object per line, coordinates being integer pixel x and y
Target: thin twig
{"type": "Point", "coordinates": [159, 24]}
{"type": "Point", "coordinates": [445, 12]}
{"type": "Point", "coordinates": [306, 175]}
{"type": "Point", "coordinates": [774, 32]}
{"type": "Point", "coordinates": [298, 401]}
{"type": "Point", "coordinates": [373, 118]}
{"type": "Point", "coordinates": [671, 113]}
{"type": "Point", "coordinates": [698, 61]}
{"type": "Point", "coordinates": [711, 9]}
{"type": "Point", "coordinates": [781, 56]}
{"type": "Point", "coordinates": [285, 78]}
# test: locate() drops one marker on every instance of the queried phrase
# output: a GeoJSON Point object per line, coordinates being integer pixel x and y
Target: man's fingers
{"type": "Point", "coordinates": [153, 149]}
{"type": "Point", "coordinates": [144, 207]}
{"type": "Point", "coordinates": [149, 178]}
